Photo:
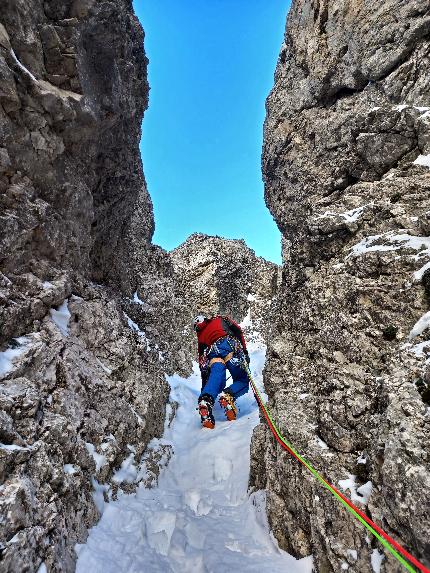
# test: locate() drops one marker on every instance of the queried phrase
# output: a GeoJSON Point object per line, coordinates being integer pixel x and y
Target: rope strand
{"type": "Point", "coordinates": [390, 544]}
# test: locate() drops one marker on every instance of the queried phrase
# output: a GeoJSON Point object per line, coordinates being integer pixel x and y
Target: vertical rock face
{"type": "Point", "coordinates": [75, 93]}
{"type": "Point", "coordinates": [346, 166]}
{"type": "Point", "coordinates": [81, 385]}
{"type": "Point", "coordinates": [222, 276]}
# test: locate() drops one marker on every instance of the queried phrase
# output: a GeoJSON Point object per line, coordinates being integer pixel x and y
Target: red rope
{"type": "Point", "coordinates": [394, 543]}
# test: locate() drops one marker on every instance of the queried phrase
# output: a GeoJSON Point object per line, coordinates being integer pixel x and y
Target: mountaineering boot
{"type": "Point", "coordinates": [226, 401]}
{"type": "Point", "coordinates": [205, 410]}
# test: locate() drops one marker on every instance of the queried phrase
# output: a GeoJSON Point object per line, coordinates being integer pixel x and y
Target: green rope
{"type": "Point", "coordinates": [384, 542]}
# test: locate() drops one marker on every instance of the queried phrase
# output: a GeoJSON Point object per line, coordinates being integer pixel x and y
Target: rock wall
{"type": "Point", "coordinates": [88, 308]}
{"type": "Point", "coordinates": [214, 275]}
{"type": "Point", "coordinates": [346, 167]}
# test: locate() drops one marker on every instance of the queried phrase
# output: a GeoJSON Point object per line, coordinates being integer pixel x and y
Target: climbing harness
{"type": "Point", "coordinates": [219, 359]}
{"type": "Point", "coordinates": [393, 547]}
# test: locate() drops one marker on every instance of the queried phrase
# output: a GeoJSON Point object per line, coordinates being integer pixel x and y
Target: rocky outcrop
{"type": "Point", "coordinates": [78, 403]}
{"type": "Point", "coordinates": [214, 275]}
{"type": "Point", "coordinates": [87, 304]}
{"type": "Point", "coordinates": [346, 167]}
{"type": "Point", "coordinates": [75, 90]}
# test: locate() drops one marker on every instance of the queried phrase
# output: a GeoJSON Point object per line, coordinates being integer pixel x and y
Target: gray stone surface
{"type": "Point", "coordinates": [69, 400]}
{"type": "Point", "coordinates": [75, 167]}
{"type": "Point", "coordinates": [345, 124]}
{"type": "Point", "coordinates": [347, 384]}
{"type": "Point", "coordinates": [75, 227]}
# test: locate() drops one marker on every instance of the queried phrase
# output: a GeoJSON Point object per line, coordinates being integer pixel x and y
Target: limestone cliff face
{"type": "Point", "coordinates": [214, 275]}
{"type": "Point", "coordinates": [345, 163]}
{"type": "Point", "coordinates": [87, 304]}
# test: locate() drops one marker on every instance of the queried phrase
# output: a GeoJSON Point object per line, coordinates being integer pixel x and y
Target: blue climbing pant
{"type": "Point", "coordinates": [217, 374]}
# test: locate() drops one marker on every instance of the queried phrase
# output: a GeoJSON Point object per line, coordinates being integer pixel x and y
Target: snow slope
{"type": "Point", "coordinates": [199, 518]}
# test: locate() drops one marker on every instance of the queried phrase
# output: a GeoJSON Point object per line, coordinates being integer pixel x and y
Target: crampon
{"type": "Point", "coordinates": [226, 401]}
{"type": "Point", "coordinates": [205, 411]}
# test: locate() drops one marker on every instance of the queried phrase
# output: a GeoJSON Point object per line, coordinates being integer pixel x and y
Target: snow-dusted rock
{"type": "Point", "coordinates": [90, 316]}
{"type": "Point", "coordinates": [74, 401]}
{"type": "Point", "coordinates": [75, 243]}
{"type": "Point", "coordinates": [346, 134]}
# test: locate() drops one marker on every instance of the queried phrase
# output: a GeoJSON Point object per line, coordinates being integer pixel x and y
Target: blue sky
{"type": "Point", "coordinates": [211, 65]}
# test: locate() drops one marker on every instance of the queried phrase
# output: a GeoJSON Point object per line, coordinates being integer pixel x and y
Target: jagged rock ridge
{"type": "Point", "coordinates": [214, 275]}
{"type": "Point", "coordinates": [346, 169]}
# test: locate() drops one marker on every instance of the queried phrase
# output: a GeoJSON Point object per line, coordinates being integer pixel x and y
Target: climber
{"type": "Point", "coordinates": [221, 346]}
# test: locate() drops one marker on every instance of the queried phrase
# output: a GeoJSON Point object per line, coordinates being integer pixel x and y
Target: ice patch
{"type": "Point", "coordinates": [47, 285]}
{"type": "Point", "coordinates": [23, 68]}
{"type": "Point", "coordinates": [418, 349]}
{"type": "Point", "coordinates": [404, 106]}
{"type": "Point", "coordinates": [422, 324]}
{"type": "Point", "coordinates": [395, 242]}
{"type": "Point", "coordinates": [9, 357]}
{"type": "Point", "coordinates": [363, 491]}
{"type": "Point", "coordinates": [137, 300]}
{"type": "Point", "coordinates": [127, 471]}
{"type": "Point", "coordinates": [99, 490]}
{"type": "Point", "coordinates": [70, 469]}
{"type": "Point", "coordinates": [140, 333]}
{"type": "Point", "coordinates": [352, 553]}
{"type": "Point", "coordinates": [42, 569]}
{"type": "Point", "coordinates": [99, 459]}
{"type": "Point", "coordinates": [349, 216]}
{"type": "Point", "coordinates": [14, 448]}
{"type": "Point", "coordinates": [61, 317]}
{"type": "Point", "coordinates": [247, 321]}
{"type": "Point", "coordinates": [418, 275]}
{"type": "Point", "coordinates": [423, 160]}
{"type": "Point", "coordinates": [376, 560]}
{"type": "Point", "coordinates": [321, 443]}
